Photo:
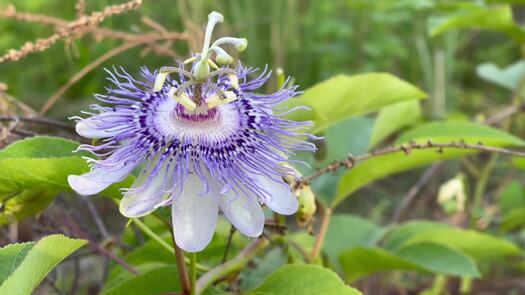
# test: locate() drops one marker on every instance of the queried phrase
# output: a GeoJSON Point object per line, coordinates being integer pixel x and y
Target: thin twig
{"type": "Point", "coordinates": [98, 220]}
{"type": "Point", "coordinates": [78, 231]}
{"type": "Point", "coordinates": [231, 266]}
{"type": "Point", "coordinates": [505, 113]}
{"type": "Point", "coordinates": [228, 244]}
{"type": "Point", "coordinates": [350, 161]}
{"type": "Point", "coordinates": [414, 190]}
{"type": "Point", "coordinates": [44, 121]}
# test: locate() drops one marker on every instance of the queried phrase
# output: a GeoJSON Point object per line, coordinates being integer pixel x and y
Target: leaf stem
{"type": "Point", "coordinates": [143, 227]}
{"type": "Point", "coordinates": [235, 264]}
{"type": "Point", "coordinates": [325, 214]}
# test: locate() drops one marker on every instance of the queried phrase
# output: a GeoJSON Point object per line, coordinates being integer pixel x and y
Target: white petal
{"type": "Point", "coordinates": [194, 216]}
{"type": "Point", "coordinates": [95, 127]}
{"type": "Point", "coordinates": [243, 212]}
{"type": "Point", "coordinates": [98, 179]}
{"type": "Point", "coordinates": [137, 203]}
{"type": "Point", "coordinates": [279, 196]}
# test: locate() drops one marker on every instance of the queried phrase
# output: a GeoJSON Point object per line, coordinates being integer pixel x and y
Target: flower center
{"type": "Point", "coordinates": [200, 114]}
{"type": "Point", "coordinates": [202, 125]}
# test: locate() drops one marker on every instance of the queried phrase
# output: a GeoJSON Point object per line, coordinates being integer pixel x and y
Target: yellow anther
{"type": "Point", "coordinates": [215, 100]}
{"type": "Point", "coordinates": [159, 81]}
{"type": "Point", "coordinates": [234, 81]}
{"type": "Point", "coordinates": [183, 99]}
{"type": "Point", "coordinates": [191, 59]}
{"type": "Point", "coordinates": [213, 65]}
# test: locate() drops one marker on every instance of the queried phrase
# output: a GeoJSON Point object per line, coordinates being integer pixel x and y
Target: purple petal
{"type": "Point", "coordinates": [278, 196]}
{"type": "Point", "coordinates": [144, 196]}
{"type": "Point", "coordinates": [194, 216]}
{"type": "Point", "coordinates": [243, 212]}
{"type": "Point", "coordinates": [98, 179]}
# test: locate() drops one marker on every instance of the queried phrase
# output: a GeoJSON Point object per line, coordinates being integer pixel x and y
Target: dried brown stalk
{"type": "Point", "coordinates": [77, 27]}
{"type": "Point", "coordinates": [147, 38]}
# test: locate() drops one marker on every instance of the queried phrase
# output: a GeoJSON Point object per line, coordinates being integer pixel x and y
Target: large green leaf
{"type": "Point", "coordinates": [44, 163]}
{"type": "Point", "coordinates": [30, 263]}
{"type": "Point", "coordinates": [346, 232]}
{"type": "Point", "coordinates": [40, 147]}
{"type": "Point", "coordinates": [343, 96]}
{"type": "Point", "coordinates": [439, 259]}
{"type": "Point", "coordinates": [305, 280]}
{"type": "Point", "coordinates": [382, 166]}
{"type": "Point", "coordinates": [494, 18]}
{"type": "Point", "coordinates": [361, 261]}
{"type": "Point", "coordinates": [394, 117]}
{"type": "Point", "coordinates": [397, 235]}
{"type": "Point", "coordinates": [476, 244]}
{"type": "Point", "coordinates": [422, 257]}
{"type": "Point", "coordinates": [457, 130]}
{"type": "Point", "coordinates": [157, 280]}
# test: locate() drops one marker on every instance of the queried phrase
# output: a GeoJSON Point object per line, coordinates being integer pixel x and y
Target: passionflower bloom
{"type": "Point", "coordinates": [202, 141]}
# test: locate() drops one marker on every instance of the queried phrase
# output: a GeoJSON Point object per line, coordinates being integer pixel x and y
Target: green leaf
{"type": "Point", "coordinates": [439, 132]}
{"type": "Point", "coordinates": [360, 262]}
{"type": "Point", "coordinates": [439, 259]}
{"type": "Point", "coordinates": [512, 197]}
{"type": "Point", "coordinates": [455, 130]}
{"type": "Point", "coordinates": [11, 256]}
{"type": "Point", "coordinates": [32, 262]}
{"type": "Point", "coordinates": [346, 232]}
{"type": "Point", "coordinates": [397, 235]}
{"type": "Point", "coordinates": [305, 280]}
{"type": "Point", "coordinates": [513, 219]}
{"type": "Point", "coordinates": [508, 77]}
{"type": "Point", "coordinates": [35, 164]}
{"type": "Point", "coordinates": [476, 244]}
{"type": "Point", "coordinates": [394, 117]}
{"type": "Point", "coordinates": [159, 280]}
{"type": "Point", "coordinates": [40, 147]}
{"type": "Point", "coordinates": [342, 97]}
{"type": "Point", "coordinates": [24, 204]}
{"type": "Point", "coordinates": [422, 257]}
{"type": "Point", "coordinates": [265, 265]}
{"type": "Point", "coordinates": [494, 18]}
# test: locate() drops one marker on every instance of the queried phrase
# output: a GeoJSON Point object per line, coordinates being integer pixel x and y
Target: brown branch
{"type": "Point", "coordinates": [350, 161]}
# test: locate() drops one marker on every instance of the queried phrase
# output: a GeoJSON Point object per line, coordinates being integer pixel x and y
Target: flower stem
{"type": "Point", "coordinates": [181, 266]}
{"type": "Point", "coordinates": [193, 269]}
